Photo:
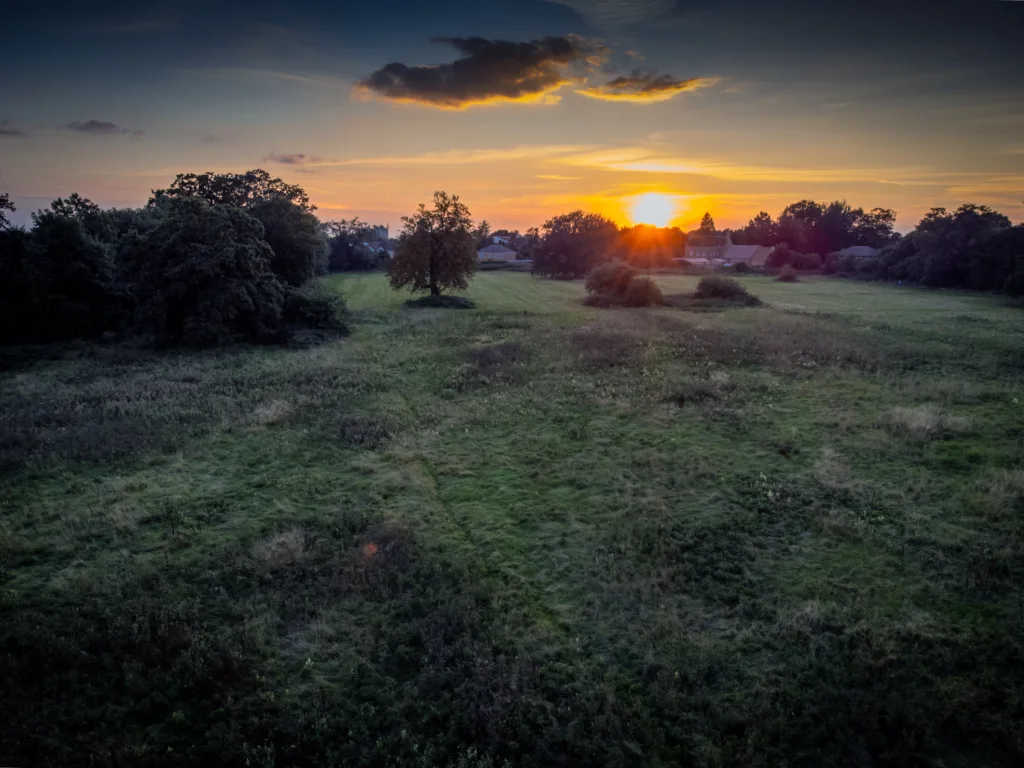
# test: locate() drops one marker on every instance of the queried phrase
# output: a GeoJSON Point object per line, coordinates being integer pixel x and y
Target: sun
{"type": "Point", "coordinates": [653, 208]}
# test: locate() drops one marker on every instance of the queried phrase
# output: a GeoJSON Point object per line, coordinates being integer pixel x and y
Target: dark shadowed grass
{"type": "Point", "coordinates": [531, 535]}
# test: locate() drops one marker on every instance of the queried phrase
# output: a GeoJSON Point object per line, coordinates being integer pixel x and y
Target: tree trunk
{"type": "Point", "coordinates": [434, 290]}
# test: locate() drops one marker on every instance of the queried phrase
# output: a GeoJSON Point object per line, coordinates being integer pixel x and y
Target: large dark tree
{"type": "Point", "coordinates": [204, 277]}
{"type": "Point", "coordinates": [707, 225]}
{"type": "Point", "coordinates": [296, 238]}
{"type": "Point", "coordinates": [241, 189]}
{"type": "Point", "coordinates": [58, 282]}
{"type": "Point", "coordinates": [435, 249]}
{"type": "Point", "coordinates": [575, 243]}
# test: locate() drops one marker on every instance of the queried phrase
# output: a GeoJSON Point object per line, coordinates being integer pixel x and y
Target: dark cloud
{"type": "Point", "coordinates": [489, 71]}
{"type": "Point", "coordinates": [100, 128]}
{"type": "Point", "coordinates": [290, 159]}
{"type": "Point", "coordinates": [7, 129]}
{"type": "Point", "coordinates": [644, 87]}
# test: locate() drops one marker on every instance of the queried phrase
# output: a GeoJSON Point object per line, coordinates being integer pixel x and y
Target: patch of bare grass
{"type": "Point", "coordinates": [714, 387]}
{"type": "Point", "coordinates": [1004, 492]}
{"type": "Point", "coordinates": [831, 471]}
{"type": "Point", "coordinates": [272, 412]}
{"type": "Point", "coordinates": [281, 550]}
{"type": "Point", "coordinates": [924, 422]}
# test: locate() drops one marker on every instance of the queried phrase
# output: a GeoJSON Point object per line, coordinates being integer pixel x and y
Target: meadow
{"type": "Point", "coordinates": [531, 533]}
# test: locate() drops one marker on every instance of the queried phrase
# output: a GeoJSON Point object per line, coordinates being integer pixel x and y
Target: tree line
{"type": "Point", "coordinates": [212, 259]}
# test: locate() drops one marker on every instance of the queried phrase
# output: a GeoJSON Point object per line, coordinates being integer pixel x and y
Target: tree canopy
{"type": "Point", "coordinates": [574, 243]}
{"type": "Point", "coordinates": [435, 249]}
{"type": "Point", "coordinates": [206, 277]}
{"type": "Point", "coordinates": [241, 189]}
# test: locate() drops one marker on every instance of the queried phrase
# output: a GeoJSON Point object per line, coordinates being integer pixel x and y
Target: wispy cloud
{"type": "Point", "coordinates": [644, 87]}
{"type": "Point", "coordinates": [101, 128]}
{"type": "Point", "coordinates": [7, 128]}
{"type": "Point", "coordinates": [291, 159]}
{"type": "Point", "coordinates": [617, 13]}
{"type": "Point", "coordinates": [557, 177]}
{"type": "Point", "coordinates": [470, 157]}
{"type": "Point", "coordinates": [489, 72]}
{"type": "Point", "coordinates": [654, 160]}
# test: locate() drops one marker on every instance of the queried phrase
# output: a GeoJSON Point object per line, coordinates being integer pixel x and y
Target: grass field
{"type": "Point", "coordinates": [526, 534]}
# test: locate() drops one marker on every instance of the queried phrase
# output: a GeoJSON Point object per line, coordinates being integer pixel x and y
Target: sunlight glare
{"type": "Point", "coordinates": [654, 208]}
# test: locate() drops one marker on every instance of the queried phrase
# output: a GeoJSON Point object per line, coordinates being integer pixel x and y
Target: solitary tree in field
{"type": "Point", "coordinates": [435, 249]}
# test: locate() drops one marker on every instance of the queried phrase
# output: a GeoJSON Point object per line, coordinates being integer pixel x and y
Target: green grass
{"type": "Point", "coordinates": [532, 533]}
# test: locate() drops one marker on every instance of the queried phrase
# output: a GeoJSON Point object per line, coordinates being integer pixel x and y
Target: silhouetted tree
{"type": "Point", "coordinates": [5, 205]}
{"type": "Point", "coordinates": [295, 237]}
{"type": "Point", "coordinates": [707, 225]}
{"type": "Point", "coordinates": [482, 235]}
{"type": "Point", "coordinates": [436, 248]}
{"type": "Point", "coordinates": [241, 189]}
{"type": "Point", "coordinates": [205, 277]}
{"type": "Point", "coordinates": [575, 243]}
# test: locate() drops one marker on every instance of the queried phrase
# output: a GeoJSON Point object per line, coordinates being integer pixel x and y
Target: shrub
{"type": "Point", "coordinates": [611, 279]}
{"type": "Point", "coordinates": [742, 268]}
{"type": "Point", "coordinates": [1014, 285]}
{"type": "Point", "coordinates": [725, 288]}
{"type": "Point", "coordinates": [315, 306]}
{"type": "Point", "coordinates": [643, 292]}
{"type": "Point", "coordinates": [788, 275]}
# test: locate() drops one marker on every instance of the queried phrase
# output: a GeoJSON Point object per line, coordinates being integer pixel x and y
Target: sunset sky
{"type": "Point", "coordinates": [524, 108]}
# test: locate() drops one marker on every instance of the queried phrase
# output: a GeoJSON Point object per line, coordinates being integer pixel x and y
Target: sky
{"type": "Point", "coordinates": [524, 108]}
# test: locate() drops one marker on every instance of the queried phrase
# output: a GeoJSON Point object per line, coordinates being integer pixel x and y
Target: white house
{"type": "Point", "coordinates": [751, 255]}
{"type": "Point", "coordinates": [860, 251]}
{"type": "Point", "coordinates": [496, 252]}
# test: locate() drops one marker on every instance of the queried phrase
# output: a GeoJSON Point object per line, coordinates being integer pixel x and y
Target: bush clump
{"type": "Point", "coordinates": [724, 289]}
{"type": "Point", "coordinates": [643, 292]}
{"type": "Point", "coordinates": [440, 302]}
{"type": "Point", "coordinates": [315, 306]}
{"type": "Point", "coordinates": [788, 275]}
{"type": "Point", "coordinates": [742, 268]}
{"type": "Point", "coordinates": [616, 284]}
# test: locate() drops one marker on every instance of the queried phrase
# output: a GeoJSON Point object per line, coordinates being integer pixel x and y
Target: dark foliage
{"type": "Point", "coordinates": [972, 247]}
{"type": "Point", "coordinates": [819, 228]}
{"type": "Point", "coordinates": [436, 248]}
{"type": "Point", "coordinates": [315, 306]}
{"type": "Point", "coordinates": [742, 268]}
{"type": "Point", "coordinates": [295, 237]}
{"type": "Point", "coordinates": [618, 284]}
{"type": "Point", "coordinates": [724, 289]}
{"type": "Point", "coordinates": [612, 278]}
{"type": "Point", "coordinates": [643, 292]}
{"type": "Point", "coordinates": [183, 270]}
{"type": "Point", "coordinates": [440, 302]}
{"type": "Point", "coordinates": [239, 189]}
{"type": "Point", "coordinates": [58, 283]}
{"type": "Point", "coordinates": [205, 277]}
{"type": "Point", "coordinates": [573, 244]}
{"type": "Point", "coordinates": [788, 275]}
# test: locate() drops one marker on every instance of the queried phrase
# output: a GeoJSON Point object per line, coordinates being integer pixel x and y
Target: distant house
{"type": "Point", "coordinates": [859, 251]}
{"type": "Point", "coordinates": [719, 249]}
{"type": "Point", "coordinates": [501, 240]}
{"type": "Point", "coordinates": [496, 252]}
{"type": "Point", "coordinates": [381, 247]}
{"type": "Point", "coordinates": [707, 246]}
{"type": "Point", "coordinates": [751, 255]}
